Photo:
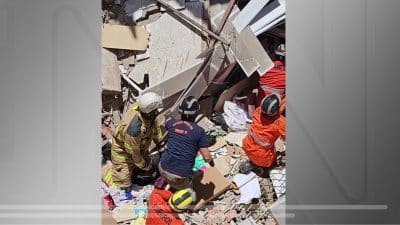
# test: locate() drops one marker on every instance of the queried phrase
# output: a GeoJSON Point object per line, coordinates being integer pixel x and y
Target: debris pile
{"type": "Point", "coordinates": [223, 54]}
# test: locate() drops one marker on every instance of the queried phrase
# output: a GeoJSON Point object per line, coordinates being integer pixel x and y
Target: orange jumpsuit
{"type": "Point", "coordinates": [259, 144]}
{"type": "Point", "coordinates": [273, 81]}
{"type": "Point", "coordinates": [159, 211]}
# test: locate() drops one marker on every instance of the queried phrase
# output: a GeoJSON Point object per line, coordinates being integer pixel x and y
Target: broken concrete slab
{"type": "Point", "coordinates": [257, 50]}
{"type": "Point", "coordinates": [110, 75]}
{"type": "Point", "coordinates": [125, 37]}
{"type": "Point", "coordinates": [174, 84]}
{"type": "Point", "coordinates": [173, 47]}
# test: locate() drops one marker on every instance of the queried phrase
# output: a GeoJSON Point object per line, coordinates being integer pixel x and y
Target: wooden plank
{"type": "Point", "coordinates": [209, 186]}
{"type": "Point", "coordinates": [125, 37]}
{"type": "Point", "coordinates": [248, 13]}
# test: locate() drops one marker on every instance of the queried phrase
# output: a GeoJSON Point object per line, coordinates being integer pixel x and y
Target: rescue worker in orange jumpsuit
{"type": "Point", "coordinates": [268, 125]}
{"type": "Point", "coordinates": [132, 139]}
{"type": "Point", "coordinates": [274, 81]}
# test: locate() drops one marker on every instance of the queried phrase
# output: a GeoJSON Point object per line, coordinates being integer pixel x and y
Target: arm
{"type": "Point", "coordinates": [282, 127]}
{"type": "Point", "coordinates": [160, 134]}
{"type": "Point", "coordinates": [205, 152]}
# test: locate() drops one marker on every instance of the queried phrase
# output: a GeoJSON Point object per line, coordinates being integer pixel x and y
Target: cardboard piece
{"type": "Point", "coordinates": [125, 37]}
{"type": "Point", "coordinates": [125, 213]}
{"type": "Point", "coordinates": [110, 74]}
{"type": "Point", "coordinates": [220, 142]}
{"type": "Point", "coordinates": [222, 166]}
{"type": "Point", "coordinates": [106, 217]}
{"type": "Point", "coordinates": [209, 186]}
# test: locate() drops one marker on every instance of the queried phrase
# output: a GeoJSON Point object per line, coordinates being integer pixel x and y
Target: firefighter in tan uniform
{"type": "Point", "coordinates": [132, 138]}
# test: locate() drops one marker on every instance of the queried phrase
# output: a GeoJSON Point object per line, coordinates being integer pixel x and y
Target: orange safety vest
{"type": "Point", "coordinates": [259, 144]}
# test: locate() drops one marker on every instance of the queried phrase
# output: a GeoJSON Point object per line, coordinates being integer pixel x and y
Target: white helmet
{"type": "Point", "coordinates": [149, 102]}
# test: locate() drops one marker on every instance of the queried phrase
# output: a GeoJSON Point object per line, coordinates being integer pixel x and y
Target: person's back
{"type": "Point", "coordinates": [184, 141]}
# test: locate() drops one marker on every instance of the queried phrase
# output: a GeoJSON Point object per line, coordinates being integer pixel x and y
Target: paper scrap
{"type": "Point", "coordinates": [249, 187]}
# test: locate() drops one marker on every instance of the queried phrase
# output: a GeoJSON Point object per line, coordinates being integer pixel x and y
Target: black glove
{"type": "Point", "coordinates": [212, 164]}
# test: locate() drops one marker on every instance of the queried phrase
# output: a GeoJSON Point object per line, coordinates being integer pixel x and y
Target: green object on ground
{"type": "Point", "coordinates": [198, 163]}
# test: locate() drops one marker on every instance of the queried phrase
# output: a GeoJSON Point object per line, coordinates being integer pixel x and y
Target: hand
{"type": "Point", "coordinates": [155, 158]}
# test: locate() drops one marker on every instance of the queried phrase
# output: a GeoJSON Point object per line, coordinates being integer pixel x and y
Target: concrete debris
{"type": "Point", "coordinates": [110, 78]}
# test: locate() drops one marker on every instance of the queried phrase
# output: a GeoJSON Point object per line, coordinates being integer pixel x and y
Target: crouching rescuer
{"type": "Point", "coordinates": [132, 139]}
{"type": "Point", "coordinates": [259, 145]}
{"type": "Point", "coordinates": [185, 139]}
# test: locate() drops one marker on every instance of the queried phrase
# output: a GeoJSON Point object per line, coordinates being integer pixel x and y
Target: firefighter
{"type": "Point", "coordinates": [133, 137]}
{"type": "Point", "coordinates": [185, 140]}
{"type": "Point", "coordinates": [268, 125]}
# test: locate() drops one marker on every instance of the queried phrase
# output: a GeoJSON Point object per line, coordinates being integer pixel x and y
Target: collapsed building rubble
{"type": "Point", "coordinates": [215, 51]}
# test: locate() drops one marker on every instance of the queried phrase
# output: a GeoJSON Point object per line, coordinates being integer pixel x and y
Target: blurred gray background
{"type": "Point", "coordinates": [343, 111]}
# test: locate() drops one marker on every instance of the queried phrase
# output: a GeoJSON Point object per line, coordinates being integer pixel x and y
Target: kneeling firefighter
{"type": "Point", "coordinates": [132, 138]}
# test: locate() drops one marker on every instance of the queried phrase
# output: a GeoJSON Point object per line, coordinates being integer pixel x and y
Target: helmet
{"type": "Point", "coordinates": [270, 105]}
{"type": "Point", "coordinates": [182, 199]}
{"type": "Point", "coordinates": [149, 102]}
{"type": "Point", "coordinates": [189, 106]}
{"type": "Point", "coordinates": [281, 50]}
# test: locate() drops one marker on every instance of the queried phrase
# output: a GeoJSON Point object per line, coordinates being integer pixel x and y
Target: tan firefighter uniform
{"type": "Point", "coordinates": [131, 150]}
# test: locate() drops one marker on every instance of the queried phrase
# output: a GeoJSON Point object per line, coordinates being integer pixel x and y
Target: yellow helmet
{"type": "Point", "coordinates": [182, 199]}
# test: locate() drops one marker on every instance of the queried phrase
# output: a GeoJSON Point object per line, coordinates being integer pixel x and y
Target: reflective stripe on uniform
{"type": "Point", "coordinates": [271, 89]}
{"type": "Point", "coordinates": [258, 140]}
